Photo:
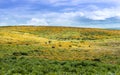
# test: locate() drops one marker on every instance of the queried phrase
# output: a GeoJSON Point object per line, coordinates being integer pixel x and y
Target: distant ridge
{"type": "Point", "coordinates": [114, 28]}
{"type": "Point", "coordinates": [54, 26]}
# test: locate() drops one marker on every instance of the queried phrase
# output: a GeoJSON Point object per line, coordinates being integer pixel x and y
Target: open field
{"type": "Point", "coordinates": [43, 50]}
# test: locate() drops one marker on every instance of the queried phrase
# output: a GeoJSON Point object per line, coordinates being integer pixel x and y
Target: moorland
{"type": "Point", "coordinates": [50, 50]}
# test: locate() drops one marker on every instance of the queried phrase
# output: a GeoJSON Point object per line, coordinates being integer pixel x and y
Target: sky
{"type": "Point", "coordinates": [75, 13]}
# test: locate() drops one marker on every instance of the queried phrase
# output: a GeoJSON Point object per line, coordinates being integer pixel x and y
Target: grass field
{"type": "Point", "coordinates": [44, 50]}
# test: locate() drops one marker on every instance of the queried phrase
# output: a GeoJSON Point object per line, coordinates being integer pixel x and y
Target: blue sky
{"type": "Point", "coordinates": [80, 13]}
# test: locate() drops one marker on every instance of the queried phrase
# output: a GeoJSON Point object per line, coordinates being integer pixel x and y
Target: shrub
{"type": "Point", "coordinates": [97, 59]}
{"type": "Point", "coordinates": [53, 46]}
{"type": "Point", "coordinates": [70, 45]}
{"type": "Point", "coordinates": [60, 45]}
{"type": "Point", "coordinates": [19, 53]}
{"type": "Point", "coordinates": [49, 42]}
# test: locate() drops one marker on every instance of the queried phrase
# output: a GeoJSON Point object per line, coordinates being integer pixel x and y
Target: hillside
{"type": "Point", "coordinates": [56, 45]}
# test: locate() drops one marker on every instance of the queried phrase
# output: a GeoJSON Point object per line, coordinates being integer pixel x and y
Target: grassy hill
{"type": "Point", "coordinates": [44, 50]}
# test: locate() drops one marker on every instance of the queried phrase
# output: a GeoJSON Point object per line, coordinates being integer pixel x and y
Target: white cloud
{"type": "Point", "coordinates": [71, 15]}
{"type": "Point", "coordinates": [36, 21]}
{"type": "Point", "coordinates": [103, 14]}
{"type": "Point", "coordinates": [98, 14]}
{"type": "Point", "coordinates": [3, 24]}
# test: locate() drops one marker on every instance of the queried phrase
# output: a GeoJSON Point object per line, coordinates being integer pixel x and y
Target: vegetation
{"type": "Point", "coordinates": [33, 66]}
{"type": "Point", "coordinates": [29, 50]}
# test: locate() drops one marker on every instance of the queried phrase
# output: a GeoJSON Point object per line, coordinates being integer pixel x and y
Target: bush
{"type": "Point", "coordinates": [19, 53]}
{"type": "Point", "coordinates": [53, 46]}
{"type": "Point", "coordinates": [60, 45]}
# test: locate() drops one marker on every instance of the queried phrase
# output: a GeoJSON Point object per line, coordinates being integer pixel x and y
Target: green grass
{"type": "Point", "coordinates": [33, 66]}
